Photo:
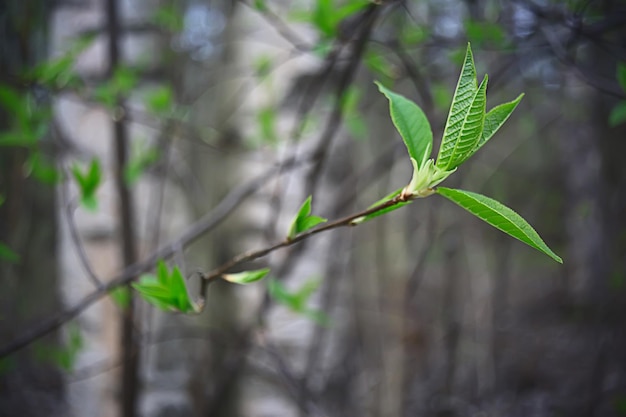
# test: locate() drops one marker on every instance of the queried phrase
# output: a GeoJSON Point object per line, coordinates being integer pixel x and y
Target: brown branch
{"type": "Point", "coordinates": [204, 225]}
{"type": "Point", "coordinates": [255, 254]}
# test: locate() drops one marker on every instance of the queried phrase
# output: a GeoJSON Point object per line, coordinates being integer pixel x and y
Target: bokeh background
{"type": "Point", "coordinates": [213, 120]}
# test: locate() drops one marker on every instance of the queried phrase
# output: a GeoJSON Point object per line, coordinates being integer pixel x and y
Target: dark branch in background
{"type": "Point", "coordinates": [68, 208]}
{"type": "Point", "coordinates": [129, 338]}
{"type": "Point", "coordinates": [365, 26]}
{"type": "Point", "coordinates": [281, 27]}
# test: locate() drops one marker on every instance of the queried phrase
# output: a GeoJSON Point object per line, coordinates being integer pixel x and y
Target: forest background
{"type": "Point", "coordinates": [192, 131]}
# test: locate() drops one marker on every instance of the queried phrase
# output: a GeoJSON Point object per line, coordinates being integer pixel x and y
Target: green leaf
{"type": "Point", "coordinates": [168, 18]}
{"type": "Point", "coordinates": [295, 301]}
{"type": "Point", "coordinates": [159, 100]}
{"type": "Point", "coordinates": [471, 129]}
{"type": "Point", "coordinates": [124, 80]}
{"type": "Point", "coordinates": [179, 292]}
{"type": "Point", "coordinates": [481, 32]}
{"type": "Point", "coordinates": [303, 220]}
{"type": "Point", "coordinates": [618, 114]}
{"type": "Point", "coordinates": [494, 119]}
{"type": "Point", "coordinates": [7, 254]}
{"type": "Point", "coordinates": [141, 158]}
{"type": "Point", "coordinates": [167, 290]}
{"type": "Point", "coordinates": [2, 200]}
{"type": "Point", "coordinates": [621, 75]}
{"type": "Point", "coordinates": [88, 183]}
{"type": "Point", "coordinates": [246, 277]}
{"type": "Point", "coordinates": [121, 296]}
{"type": "Point", "coordinates": [162, 273]}
{"type": "Point", "coordinates": [461, 102]}
{"type": "Point", "coordinates": [42, 170]}
{"type": "Point", "coordinates": [411, 123]}
{"type": "Point", "coordinates": [381, 66]}
{"type": "Point", "coordinates": [12, 101]}
{"type": "Point", "coordinates": [260, 5]}
{"type": "Point", "coordinates": [266, 117]}
{"type": "Point", "coordinates": [499, 216]}
{"type": "Point", "coordinates": [383, 211]}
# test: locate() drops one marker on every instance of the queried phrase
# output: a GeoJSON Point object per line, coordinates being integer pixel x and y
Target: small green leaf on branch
{"type": "Point", "coordinates": [303, 220]}
{"type": "Point", "coordinates": [166, 290]}
{"type": "Point", "coordinates": [246, 277]}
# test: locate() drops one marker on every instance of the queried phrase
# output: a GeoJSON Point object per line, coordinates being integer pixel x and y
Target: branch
{"type": "Point", "coordinates": [204, 225]}
{"type": "Point", "coordinates": [255, 254]}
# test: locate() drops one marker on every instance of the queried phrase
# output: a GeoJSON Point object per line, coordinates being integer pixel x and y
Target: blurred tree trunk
{"type": "Point", "coordinates": [27, 225]}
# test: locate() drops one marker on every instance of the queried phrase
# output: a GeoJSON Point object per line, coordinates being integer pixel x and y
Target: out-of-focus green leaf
{"type": "Point", "coordinates": [141, 159]}
{"type": "Point", "coordinates": [412, 35]}
{"type": "Point", "coordinates": [42, 170]}
{"type": "Point", "coordinates": [381, 66]}
{"type": "Point", "coordinates": [64, 356]}
{"type": "Point", "coordinates": [266, 117]}
{"type": "Point", "coordinates": [7, 254]}
{"type": "Point", "coordinates": [159, 100]}
{"type": "Point", "coordinates": [168, 18]}
{"type": "Point", "coordinates": [246, 277]}
{"type": "Point", "coordinates": [297, 301]}
{"type": "Point", "coordinates": [263, 66]}
{"type": "Point", "coordinates": [88, 183]}
{"type": "Point", "coordinates": [618, 114]}
{"type": "Point", "coordinates": [121, 296]}
{"type": "Point", "coordinates": [482, 33]}
{"type": "Point", "coordinates": [260, 5]}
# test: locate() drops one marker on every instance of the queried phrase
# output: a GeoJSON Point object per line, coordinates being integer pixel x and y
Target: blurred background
{"type": "Point", "coordinates": [193, 130]}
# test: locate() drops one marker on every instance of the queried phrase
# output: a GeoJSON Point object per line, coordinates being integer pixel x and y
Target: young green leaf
{"type": "Point", "coordinates": [2, 200]}
{"type": "Point", "coordinates": [88, 183]}
{"type": "Point", "coordinates": [303, 220]}
{"type": "Point", "coordinates": [246, 277]}
{"type": "Point", "coordinates": [166, 290]}
{"type": "Point", "coordinates": [461, 102]}
{"type": "Point", "coordinates": [121, 296]}
{"type": "Point", "coordinates": [471, 129]}
{"type": "Point", "coordinates": [159, 101]}
{"type": "Point", "coordinates": [499, 216]}
{"type": "Point", "coordinates": [494, 119]}
{"type": "Point", "coordinates": [411, 123]}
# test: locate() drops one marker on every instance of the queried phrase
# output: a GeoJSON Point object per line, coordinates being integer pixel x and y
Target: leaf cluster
{"type": "Point", "coordinates": [468, 128]}
{"type": "Point", "coordinates": [166, 290]}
